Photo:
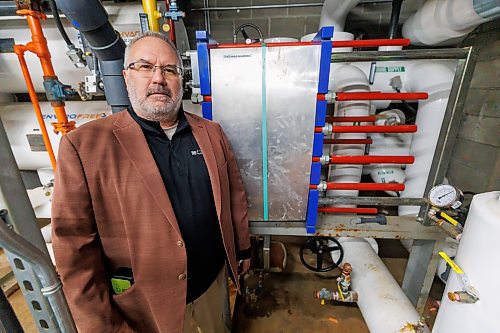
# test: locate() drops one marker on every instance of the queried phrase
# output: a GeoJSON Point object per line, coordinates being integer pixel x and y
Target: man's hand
{"type": "Point", "coordinates": [244, 266]}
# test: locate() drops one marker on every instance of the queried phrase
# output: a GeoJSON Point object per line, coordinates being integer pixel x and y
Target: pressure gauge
{"type": "Point", "coordinates": [445, 196]}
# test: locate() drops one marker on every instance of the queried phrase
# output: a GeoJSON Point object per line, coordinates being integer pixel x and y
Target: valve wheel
{"type": "Point", "coordinates": [320, 247]}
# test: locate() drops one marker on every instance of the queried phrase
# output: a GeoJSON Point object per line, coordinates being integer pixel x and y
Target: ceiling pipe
{"type": "Point", "coordinates": [334, 13]}
{"type": "Point", "coordinates": [446, 22]}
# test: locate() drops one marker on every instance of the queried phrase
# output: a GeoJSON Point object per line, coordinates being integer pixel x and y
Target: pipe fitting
{"type": "Point", "coordinates": [327, 129]}
{"type": "Point", "coordinates": [330, 295]}
{"type": "Point", "coordinates": [322, 186]}
{"type": "Point", "coordinates": [462, 297]}
{"type": "Point", "coordinates": [324, 160]}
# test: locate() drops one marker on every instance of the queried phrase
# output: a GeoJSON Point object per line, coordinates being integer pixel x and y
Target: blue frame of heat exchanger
{"type": "Point", "coordinates": [325, 37]}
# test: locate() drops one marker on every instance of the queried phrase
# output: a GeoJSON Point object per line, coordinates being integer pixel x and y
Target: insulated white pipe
{"type": "Point", "coordinates": [334, 13]}
{"type": "Point", "coordinates": [352, 79]}
{"type": "Point", "coordinates": [477, 256]}
{"type": "Point", "coordinates": [396, 144]}
{"type": "Point", "coordinates": [445, 22]}
{"type": "Point", "coordinates": [384, 305]}
{"type": "Point", "coordinates": [435, 78]}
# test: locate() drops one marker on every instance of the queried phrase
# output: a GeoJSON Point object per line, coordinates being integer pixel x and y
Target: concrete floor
{"type": "Point", "coordinates": [288, 305]}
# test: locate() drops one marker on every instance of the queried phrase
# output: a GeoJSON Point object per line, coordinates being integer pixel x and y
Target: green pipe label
{"type": "Point", "coordinates": [390, 69]}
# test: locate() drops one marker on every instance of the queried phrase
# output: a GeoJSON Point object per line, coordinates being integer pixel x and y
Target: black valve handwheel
{"type": "Point", "coordinates": [321, 247]}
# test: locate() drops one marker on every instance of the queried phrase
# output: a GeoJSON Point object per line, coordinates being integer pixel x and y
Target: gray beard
{"type": "Point", "coordinates": [161, 113]}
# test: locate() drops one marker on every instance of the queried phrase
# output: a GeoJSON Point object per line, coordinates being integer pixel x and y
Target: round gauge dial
{"type": "Point", "coordinates": [444, 196]}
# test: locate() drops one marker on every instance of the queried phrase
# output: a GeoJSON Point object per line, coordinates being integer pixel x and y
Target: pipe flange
{"type": "Point", "coordinates": [330, 97]}
{"type": "Point", "coordinates": [327, 129]}
{"type": "Point", "coordinates": [325, 159]}
{"type": "Point", "coordinates": [322, 186]}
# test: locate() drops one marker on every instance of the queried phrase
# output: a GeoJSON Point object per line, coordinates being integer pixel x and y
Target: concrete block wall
{"type": "Point", "coordinates": [475, 163]}
{"type": "Point", "coordinates": [371, 19]}
{"type": "Point", "coordinates": [275, 22]}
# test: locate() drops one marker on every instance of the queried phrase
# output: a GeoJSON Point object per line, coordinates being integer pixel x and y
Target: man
{"type": "Point", "coordinates": [148, 207]}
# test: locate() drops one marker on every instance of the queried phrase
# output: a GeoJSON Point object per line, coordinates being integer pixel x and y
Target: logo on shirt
{"type": "Point", "coordinates": [196, 152]}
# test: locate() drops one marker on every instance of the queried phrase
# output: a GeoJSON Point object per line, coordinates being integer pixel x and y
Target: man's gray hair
{"type": "Point", "coordinates": [152, 34]}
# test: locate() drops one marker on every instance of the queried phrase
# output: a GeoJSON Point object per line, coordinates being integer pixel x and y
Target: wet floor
{"type": "Point", "coordinates": [287, 304]}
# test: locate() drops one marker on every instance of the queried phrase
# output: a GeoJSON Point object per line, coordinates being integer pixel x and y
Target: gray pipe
{"type": "Point", "coordinates": [488, 9]}
{"type": "Point", "coordinates": [91, 19]}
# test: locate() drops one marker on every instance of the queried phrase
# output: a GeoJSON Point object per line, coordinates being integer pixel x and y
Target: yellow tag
{"type": "Point", "coordinates": [340, 292]}
{"type": "Point", "coordinates": [322, 302]}
{"type": "Point", "coordinates": [450, 262]}
{"type": "Point", "coordinates": [449, 219]}
{"type": "Point", "coordinates": [166, 27]}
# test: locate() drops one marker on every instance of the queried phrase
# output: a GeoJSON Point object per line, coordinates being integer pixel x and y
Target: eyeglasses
{"type": "Point", "coordinates": [146, 70]}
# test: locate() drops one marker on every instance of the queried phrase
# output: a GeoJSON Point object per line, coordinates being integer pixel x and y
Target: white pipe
{"type": "Point", "coordinates": [352, 79]}
{"type": "Point", "coordinates": [334, 13]}
{"type": "Point", "coordinates": [397, 144]}
{"type": "Point", "coordinates": [384, 305]}
{"type": "Point", "coordinates": [445, 22]}
{"type": "Point", "coordinates": [477, 257]}
{"type": "Point", "coordinates": [436, 79]}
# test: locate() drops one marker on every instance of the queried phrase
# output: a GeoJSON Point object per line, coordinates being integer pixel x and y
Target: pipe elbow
{"type": "Point", "coordinates": [349, 75]}
{"type": "Point", "coordinates": [430, 77]}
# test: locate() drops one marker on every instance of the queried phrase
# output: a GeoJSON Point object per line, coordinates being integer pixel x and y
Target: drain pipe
{"type": "Point", "coordinates": [446, 22]}
{"type": "Point", "coordinates": [91, 19]}
{"type": "Point", "coordinates": [384, 305]}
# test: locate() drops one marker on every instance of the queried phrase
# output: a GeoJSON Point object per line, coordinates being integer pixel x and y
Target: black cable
{"type": "Point", "coordinates": [393, 25]}
{"type": "Point", "coordinates": [60, 27]}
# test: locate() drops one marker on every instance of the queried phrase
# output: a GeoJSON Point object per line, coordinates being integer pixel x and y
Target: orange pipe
{"type": "Point", "coordinates": [38, 45]}
{"type": "Point", "coordinates": [36, 105]}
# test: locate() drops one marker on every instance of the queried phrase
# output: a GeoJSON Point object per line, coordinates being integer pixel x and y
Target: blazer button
{"type": "Point", "coordinates": [182, 276]}
{"type": "Point", "coordinates": [180, 244]}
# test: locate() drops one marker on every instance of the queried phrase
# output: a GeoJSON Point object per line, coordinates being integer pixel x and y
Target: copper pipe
{"type": "Point", "coordinates": [352, 119]}
{"type": "Point", "coordinates": [368, 159]}
{"type": "Point", "coordinates": [38, 45]}
{"type": "Point", "coordinates": [371, 129]}
{"type": "Point", "coordinates": [347, 210]}
{"type": "Point", "coordinates": [347, 141]}
{"type": "Point", "coordinates": [371, 42]}
{"type": "Point", "coordinates": [362, 186]}
{"type": "Point", "coordinates": [379, 96]}
{"type": "Point", "coordinates": [36, 104]}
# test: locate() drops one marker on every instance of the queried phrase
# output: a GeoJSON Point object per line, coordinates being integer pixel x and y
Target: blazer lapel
{"type": "Point", "coordinates": [200, 133]}
{"type": "Point", "coordinates": [132, 140]}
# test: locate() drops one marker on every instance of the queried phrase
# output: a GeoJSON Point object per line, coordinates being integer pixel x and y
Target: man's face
{"type": "Point", "coordinates": [157, 96]}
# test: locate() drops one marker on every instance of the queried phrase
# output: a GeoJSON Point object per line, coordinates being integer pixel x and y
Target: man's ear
{"type": "Point", "coordinates": [124, 72]}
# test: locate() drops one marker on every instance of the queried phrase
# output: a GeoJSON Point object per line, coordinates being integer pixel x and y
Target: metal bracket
{"type": "Point", "coordinates": [266, 252]}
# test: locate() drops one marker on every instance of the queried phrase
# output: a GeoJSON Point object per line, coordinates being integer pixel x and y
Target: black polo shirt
{"type": "Point", "coordinates": [185, 175]}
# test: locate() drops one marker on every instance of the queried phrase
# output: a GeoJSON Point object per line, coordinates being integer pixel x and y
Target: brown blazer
{"type": "Point", "coordinates": [110, 209]}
